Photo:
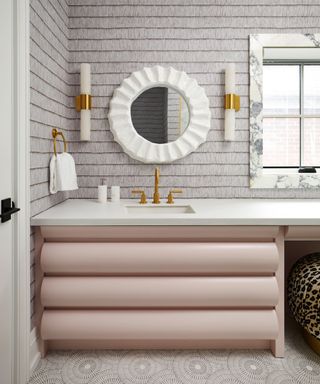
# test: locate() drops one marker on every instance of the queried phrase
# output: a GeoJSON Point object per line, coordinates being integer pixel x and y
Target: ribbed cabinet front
{"type": "Point", "coordinates": [210, 288]}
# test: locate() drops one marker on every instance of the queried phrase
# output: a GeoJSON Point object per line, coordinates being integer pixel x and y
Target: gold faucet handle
{"type": "Point", "coordinates": [170, 195]}
{"type": "Point", "coordinates": [143, 197]}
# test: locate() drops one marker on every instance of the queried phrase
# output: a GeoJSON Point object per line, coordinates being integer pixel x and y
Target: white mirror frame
{"type": "Point", "coordinates": [137, 146]}
{"type": "Point", "coordinates": [259, 179]}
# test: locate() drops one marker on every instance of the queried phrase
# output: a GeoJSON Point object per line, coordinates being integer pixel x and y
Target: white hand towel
{"type": "Point", "coordinates": [63, 175]}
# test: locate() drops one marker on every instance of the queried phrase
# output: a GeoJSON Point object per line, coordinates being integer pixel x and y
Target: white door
{"type": "Point", "coordinates": [6, 190]}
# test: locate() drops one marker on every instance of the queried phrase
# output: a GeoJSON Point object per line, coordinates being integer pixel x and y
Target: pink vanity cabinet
{"type": "Point", "coordinates": [160, 287]}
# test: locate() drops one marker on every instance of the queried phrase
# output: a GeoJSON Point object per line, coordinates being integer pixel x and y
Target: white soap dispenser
{"type": "Point", "coordinates": [102, 192]}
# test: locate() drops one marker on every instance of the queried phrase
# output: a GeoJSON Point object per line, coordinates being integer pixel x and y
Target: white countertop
{"type": "Point", "coordinates": [207, 212]}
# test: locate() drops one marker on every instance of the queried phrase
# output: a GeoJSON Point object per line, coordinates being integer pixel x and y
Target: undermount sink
{"type": "Point", "coordinates": [159, 209]}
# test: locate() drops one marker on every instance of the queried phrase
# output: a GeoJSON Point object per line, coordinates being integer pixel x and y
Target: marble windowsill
{"type": "Point", "coordinates": [285, 178]}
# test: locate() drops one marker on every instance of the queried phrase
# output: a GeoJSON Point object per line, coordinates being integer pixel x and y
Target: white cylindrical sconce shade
{"type": "Point", "coordinates": [85, 124]}
{"type": "Point", "coordinates": [85, 114]}
{"type": "Point", "coordinates": [229, 124]}
{"type": "Point", "coordinates": [230, 114]}
{"type": "Point", "coordinates": [230, 78]}
{"type": "Point", "coordinates": [85, 79]}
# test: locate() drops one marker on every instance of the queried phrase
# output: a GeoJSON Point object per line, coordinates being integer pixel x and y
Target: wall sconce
{"type": "Point", "coordinates": [231, 103]}
{"type": "Point", "coordinates": [83, 102]}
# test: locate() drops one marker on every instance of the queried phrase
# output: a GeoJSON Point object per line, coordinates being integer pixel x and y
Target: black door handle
{"type": "Point", "coordinates": [7, 209]}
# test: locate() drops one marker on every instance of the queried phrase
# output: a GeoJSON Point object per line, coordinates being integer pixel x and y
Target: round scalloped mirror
{"type": "Point", "coordinates": [159, 115]}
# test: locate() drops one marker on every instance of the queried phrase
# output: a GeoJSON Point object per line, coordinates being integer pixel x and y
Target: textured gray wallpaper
{"type": "Point", "coordinates": [51, 105]}
{"type": "Point", "coordinates": [198, 37]}
{"type": "Point", "coordinates": [118, 37]}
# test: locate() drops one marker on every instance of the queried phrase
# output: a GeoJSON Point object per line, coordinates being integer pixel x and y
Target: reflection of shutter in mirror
{"type": "Point", "coordinates": [184, 115]}
{"type": "Point", "coordinates": [178, 115]}
{"type": "Point", "coordinates": [160, 115]}
{"type": "Point", "coordinates": [173, 115]}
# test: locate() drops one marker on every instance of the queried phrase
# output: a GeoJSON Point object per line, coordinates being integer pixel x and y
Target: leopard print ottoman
{"type": "Point", "coordinates": [304, 293]}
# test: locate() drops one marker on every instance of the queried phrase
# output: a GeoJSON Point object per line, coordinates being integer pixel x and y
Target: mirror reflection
{"type": "Point", "coordinates": [291, 108]}
{"type": "Point", "coordinates": [160, 115]}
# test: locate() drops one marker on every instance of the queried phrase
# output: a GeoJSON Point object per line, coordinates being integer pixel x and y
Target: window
{"type": "Point", "coordinates": [291, 114]}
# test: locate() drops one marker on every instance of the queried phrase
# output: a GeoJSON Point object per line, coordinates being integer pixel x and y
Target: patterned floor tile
{"type": "Point", "coordinates": [300, 366]}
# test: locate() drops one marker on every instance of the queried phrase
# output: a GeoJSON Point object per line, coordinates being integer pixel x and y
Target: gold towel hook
{"type": "Point", "coordinates": [56, 133]}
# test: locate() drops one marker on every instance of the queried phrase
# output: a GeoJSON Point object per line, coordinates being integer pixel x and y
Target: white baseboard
{"type": "Point", "coordinates": [34, 350]}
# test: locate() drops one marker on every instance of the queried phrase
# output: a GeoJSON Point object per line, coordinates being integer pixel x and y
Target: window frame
{"type": "Point", "coordinates": [272, 178]}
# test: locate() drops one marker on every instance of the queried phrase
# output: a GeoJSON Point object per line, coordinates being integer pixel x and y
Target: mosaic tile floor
{"type": "Point", "coordinates": [300, 366]}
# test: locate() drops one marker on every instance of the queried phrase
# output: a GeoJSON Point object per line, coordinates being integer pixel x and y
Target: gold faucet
{"type": "Point", "coordinates": [156, 195]}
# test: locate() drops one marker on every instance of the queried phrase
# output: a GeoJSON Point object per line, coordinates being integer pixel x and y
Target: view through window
{"type": "Point", "coordinates": [291, 115]}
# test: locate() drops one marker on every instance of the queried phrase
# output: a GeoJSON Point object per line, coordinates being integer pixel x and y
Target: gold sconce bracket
{"type": "Point", "coordinates": [232, 101]}
{"type": "Point", "coordinates": [83, 101]}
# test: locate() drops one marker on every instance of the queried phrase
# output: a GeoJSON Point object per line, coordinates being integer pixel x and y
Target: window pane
{"type": "Point", "coordinates": [281, 142]}
{"type": "Point", "coordinates": [311, 145]}
{"type": "Point", "coordinates": [281, 89]}
{"type": "Point", "coordinates": [312, 89]}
